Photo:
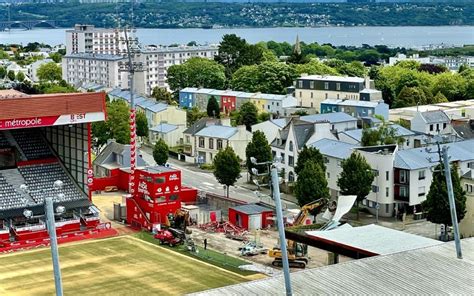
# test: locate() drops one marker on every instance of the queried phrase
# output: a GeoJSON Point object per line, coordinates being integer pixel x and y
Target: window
{"type": "Point", "coordinates": [219, 144]}
{"type": "Point", "coordinates": [160, 199]}
{"type": "Point", "coordinates": [282, 155]}
{"type": "Point", "coordinates": [403, 191]}
{"type": "Point", "coordinates": [311, 84]}
{"type": "Point", "coordinates": [326, 160]}
{"type": "Point", "coordinates": [387, 191]}
{"type": "Point", "coordinates": [375, 188]}
{"type": "Point", "coordinates": [387, 208]}
{"type": "Point", "coordinates": [444, 125]}
{"type": "Point", "coordinates": [291, 177]}
{"type": "Point", "coordinates": [338, 86]}
{"type": "Point", "coordinates": [421, 175]}
{"type": "Point", "coordinates": [311, 104]}
{"type": "Point", "coordinates": [301, 94]}
{"type": "Point", "coordinates": [201, 142]}
{"type": "Point", "coordinates": [431, 127]}
{"type": "Point", "coordinates": [291, 160]}
{"type": "Point", "coordinates": [421, 191]}
{"type": "Point", "coordinates": [375, 172]}
{"type": "Point", "coordinates": [387, 175]}
{"type": "Point", "coordinates": [300, 84]}
{"type": "Point", "coordinates": [291, 146]}
{"type": "Point", "coordinates": [470, 165]}
{"type": "Point", "coordinates": [403, 176]}
{"type": "Point", "coordinates": [211, 143]}
{"type": "Point", "coordinates": [173, 197]}
{"type": "Point", "coordinates": [326, 96]}
{"type": "Point", "coordinates": [329, 175]}
{"type": "Point", "coordinates": [160, 180]}
{"type": "Point", "coordinates": [274, 154]}
{"type": "Point", "coordinates": [326, 85]}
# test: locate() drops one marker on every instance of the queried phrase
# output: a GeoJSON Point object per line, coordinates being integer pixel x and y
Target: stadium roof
{"type": "Point", "coordinates": [36, 106]}
{"type": "Point", "coordinates": [431, 270]}
{"type": "Point", "coordinates": [335, 117]}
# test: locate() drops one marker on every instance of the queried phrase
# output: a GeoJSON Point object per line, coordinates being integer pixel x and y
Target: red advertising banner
{"type": "Point", "coordinates": [28, 122]}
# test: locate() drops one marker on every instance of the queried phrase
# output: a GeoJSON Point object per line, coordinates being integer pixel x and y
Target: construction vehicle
{"type": "Point", "coordinates": [297, 252]}
{"type": "Point", "coordinates": [170, 236]}
{"type": "Point", "coordinates": [179, 220]}
{"type": "Point", "coordinates": [252, 249]}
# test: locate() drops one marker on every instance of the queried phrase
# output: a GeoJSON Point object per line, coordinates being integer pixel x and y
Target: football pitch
{"type": "Point", "coordinates": [117, 266]}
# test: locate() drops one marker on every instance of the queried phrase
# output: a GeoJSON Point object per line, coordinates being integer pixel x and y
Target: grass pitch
{"type": "Point", "coordinates": [117, 266]}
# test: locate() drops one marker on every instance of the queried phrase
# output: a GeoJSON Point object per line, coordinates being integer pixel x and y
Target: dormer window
{"type": "Point", "coordinates": [291, 146]}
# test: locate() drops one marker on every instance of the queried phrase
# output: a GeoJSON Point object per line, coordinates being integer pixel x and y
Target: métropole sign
{"type": "Point", "coordinates": [40, 121]}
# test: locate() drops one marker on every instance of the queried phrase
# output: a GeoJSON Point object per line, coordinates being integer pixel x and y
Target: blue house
{"type": "Point", "coordinates": [187, 97]}
{"type": "Point", "coordinates": [356, 108]}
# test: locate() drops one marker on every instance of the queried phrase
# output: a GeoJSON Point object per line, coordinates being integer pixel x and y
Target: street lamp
{"type": "Point", "coordinates": [51, 227]}
{"type": "Point", "coordinates": [273, 172]}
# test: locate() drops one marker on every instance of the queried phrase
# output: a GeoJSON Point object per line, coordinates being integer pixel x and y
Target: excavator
{"type": "Point", "coordinates": [297, 252]}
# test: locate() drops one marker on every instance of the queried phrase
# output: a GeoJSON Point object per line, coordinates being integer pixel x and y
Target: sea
{"type": "Point", "coordinates": [409, 37]}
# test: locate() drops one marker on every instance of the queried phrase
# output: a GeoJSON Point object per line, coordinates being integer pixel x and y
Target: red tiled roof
{"type": "Point", "coordinates": [51, 105]}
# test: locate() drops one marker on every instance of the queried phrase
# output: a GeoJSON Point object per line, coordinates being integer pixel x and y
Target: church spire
{"type": "Point", "coordinates": [297, 47]}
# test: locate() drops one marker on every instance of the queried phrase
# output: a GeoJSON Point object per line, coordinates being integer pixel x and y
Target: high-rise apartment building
{"type": "Point", "coordinates": [88, 39]}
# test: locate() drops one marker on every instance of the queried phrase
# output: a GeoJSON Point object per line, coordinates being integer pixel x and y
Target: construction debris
{"type": "Point", "coordinates": [231, 231]}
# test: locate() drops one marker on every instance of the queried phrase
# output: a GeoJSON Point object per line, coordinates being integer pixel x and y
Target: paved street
{"type": "Point", "coordinates": [202, 180]}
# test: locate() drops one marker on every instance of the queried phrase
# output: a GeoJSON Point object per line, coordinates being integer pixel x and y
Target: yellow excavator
{"type": "Point", "coordinates": [297, 252]}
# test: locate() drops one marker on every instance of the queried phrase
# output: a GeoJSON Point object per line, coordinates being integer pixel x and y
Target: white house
{"type": "Point", "coordinates": [172, 134]}
{"type": "Point", "coordinates": [293, 137]}
{"type": "Point", "coordinates": [270, 127]}
{"type": "Point", "coordinates": [33, 69]}
{"type": "Point", "coordinates": [431, 122]}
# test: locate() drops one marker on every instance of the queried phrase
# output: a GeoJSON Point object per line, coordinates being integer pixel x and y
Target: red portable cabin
{"type": "Point", "coordinates": [251, 216]}
{"type": "Point", "coordinates": [157, 193]}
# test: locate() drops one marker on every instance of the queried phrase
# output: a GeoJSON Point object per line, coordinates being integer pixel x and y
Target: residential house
{"type": "Point", "coordinates": [202, 97]}
{"type": "Point", "coordinates": [33, 69]}
{"type": "Point", "coordinates": [334, 153]}
{"type": "Point", "coordinates": [464, 128]}
{"type": "Point", "coordinates": [411, 139]}
{"type": "Point", "coordinates": [431, 123]}
{"type": "Point", "coordinates": [311, 90]}
{"type": "Point", "coordinates": [113, 157]}
{"type": "Point", "coordinates": [293, 137]}
{"type": "Point", "coordinates": [356, 108]}
{"type": "Point", "coordinates": [466, 226]}
{"type": "Point", "coordinates": [270, 127]}
{"type": "Point", "coordinates": [172, 134]}
{"type": "Point", "coordinates": [339, 121]}
{"type": "Point", "coordinates": [454, 110]}
{"type": "Point", "coordinates": [229, 101]}
{"type": "Point", "coordinates": [187, 97]}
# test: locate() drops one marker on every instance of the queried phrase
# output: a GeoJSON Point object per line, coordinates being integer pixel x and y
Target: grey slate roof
{"type": "Point", "coordinates": [252, 209]}
{"type": "Point", "coordinates": [112, 147]}
{"type": "Point", "coordinates": [302, 133]}
{"type": "Point", "coordinates": [217, 131]}
{"type": "Point", "coordinates": [335, 117]}
{"type": "Point", "coordinates": [157, 107]}
{"type": "Point", "coordinates": [281, 122]}
{"type": "Point", "coordinates": [199, 125]}
{"type": "Point", "coordinates": [426, 271]}
{"type": "Point", "coordinates": [435, 116]}
{"type": "Point", "coordinates": [418, 158]}
{"type": "Point", "coordinates": [334, 148]}
{"type": "Point", "coordinates": [164, 128]}
{"type": "Point", "coordinates": [400, 131]}
{"type": "Point", "coordinates": [465, 130]}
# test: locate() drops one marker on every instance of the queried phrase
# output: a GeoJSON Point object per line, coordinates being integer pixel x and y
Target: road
{"type": "Point", "coordinates": [205, 181]}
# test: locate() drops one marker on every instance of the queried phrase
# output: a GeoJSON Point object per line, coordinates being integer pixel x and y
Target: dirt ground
{"type": "Point", "coordinates": [268, 238]}
{"type": "Point", "coordinates": [121, 265]}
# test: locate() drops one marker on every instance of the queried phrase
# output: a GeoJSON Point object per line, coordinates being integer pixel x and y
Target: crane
{"type": "Point", "coordinates": [297, 252]}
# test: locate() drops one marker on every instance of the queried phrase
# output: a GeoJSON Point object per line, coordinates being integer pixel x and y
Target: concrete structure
{"type": "Point", "coordinates": [251, 216]}
{"type": "Point", "coordinates": [355, 108]}
{"type": "Point", "coordinates": [292, 138]}
{"type": "Point", "coordinates": [90, 68]}
{"type": "Point", "coordinates": [311, 90]}
{"type": "Point", "coordinates": [454, 110]}
{"type": "Point", "coordinates": [88, 39]}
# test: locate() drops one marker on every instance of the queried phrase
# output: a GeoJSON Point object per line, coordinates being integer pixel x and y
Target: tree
{"type": "Point", "coordinates": [213, 109]}
{"type": "Point", "coordinates": [49, 72]}
{"type": "Point", "coordinates": [193, 115]}
{"type": "Point", "coordinates": [410, 96]}
{"type": "Point", "coordinates": [227, 167]}
{"type": "Point", "coordinates": [196, 72]}
{"type": "Point", "coordinates": [141, 124]}
{"type": "Point", "coordinates": [309, 154]}
{"type": "Point", "coordinates": [452, 86]}
{"type": "Point", "coordinates": [117, 125]}
{"type": "Point", "coordinates": [266, 77]}
{"type": "Point", "coordinates": [56, 57]}
{"type": "Point", "coordinates": [436, 204]}
{"type": "Point", "coordinates": [385, 134]}
{"type": "Point", "coordinates": [235, 52]}
{"type": "Point", "coordinates": [315, 67]}
{"type": "Point", "coordinates": [3, 72]}
{"type": "Point", "coordinates": [260, 149]}
{"type": "Point", "coordinates": [433, 68]}
{"type": "Point", "coordinates": [11, 75]}
{"type": "Point", "coordinates": [160, 152]}
{"type": "Point", "coordinates": [162, 94]}
{"type": "Point", "coordinates": [20, 76]}
{"type": "Point", "coordinates": [440, 98]}
{"type": "Point", "coordinates": [356, 178]}
{"type": "Point", "coordinates": [248, 115]}
{"type": "Point", "coordinates": [311, 184]}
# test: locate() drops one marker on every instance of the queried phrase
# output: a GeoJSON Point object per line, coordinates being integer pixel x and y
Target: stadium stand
{"type": "Point", "coordinates": [32, 143]}
{"type": "Point", "coordinates": [3, 141]}
{"type": "Point", "coordinates": [9, 197]}
{"type": "Point", "coordinates": [40, 179]}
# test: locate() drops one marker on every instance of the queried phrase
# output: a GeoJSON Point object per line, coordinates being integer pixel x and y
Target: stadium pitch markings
{"type": "Point", "coordinates": [117, 266]}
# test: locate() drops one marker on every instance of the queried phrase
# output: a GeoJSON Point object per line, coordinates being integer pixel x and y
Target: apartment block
{"type": "Point", "coordinates": [89, 39]}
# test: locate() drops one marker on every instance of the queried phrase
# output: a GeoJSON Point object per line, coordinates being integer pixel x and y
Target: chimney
{"type": "Point", "coordinates": [225, 121]}
{"type": "Point", "coordinates": [367, 82]}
